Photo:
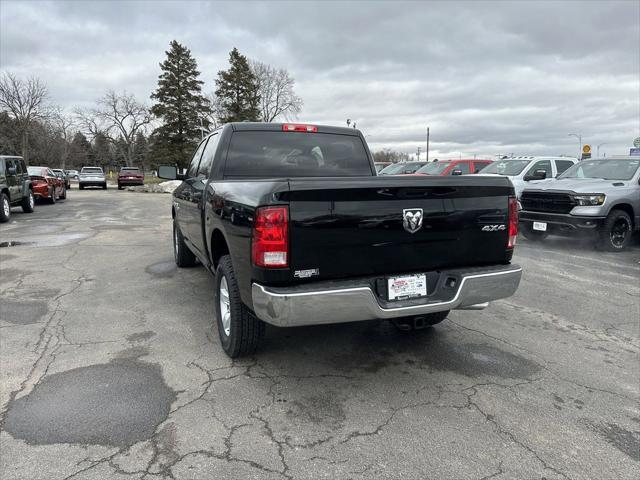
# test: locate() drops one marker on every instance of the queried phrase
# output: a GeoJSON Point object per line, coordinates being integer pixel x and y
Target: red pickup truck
{"type": "Point", "coordinates": [453, 167]}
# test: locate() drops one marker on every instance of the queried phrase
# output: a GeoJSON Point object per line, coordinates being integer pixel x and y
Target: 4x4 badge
{"type": "Point", "coordinates": [412, 219]}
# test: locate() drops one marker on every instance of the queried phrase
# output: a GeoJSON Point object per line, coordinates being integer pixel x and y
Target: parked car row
{"type": "Point", "coordinates": [20, 186]}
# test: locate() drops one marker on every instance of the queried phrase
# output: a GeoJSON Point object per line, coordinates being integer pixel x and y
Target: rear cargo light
{"type": "Point", "coordinates": [292, 127]}
{"type": "Point", "coordinates": [270, 246]}
{"type": "Point", "coordinates": [513, 222]}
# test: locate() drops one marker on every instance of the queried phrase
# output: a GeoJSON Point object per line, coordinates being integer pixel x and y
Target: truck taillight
{"type": "Point", "coordinates": [513, 222]}
{"type": "Point", "coordinates": [292, 127]}
{"type": "Point", "coordinates": [270, 245]}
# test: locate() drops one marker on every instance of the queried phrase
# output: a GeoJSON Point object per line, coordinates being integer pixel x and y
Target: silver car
{"type": "Point", "coordinates": [600, 197]}
{"type": "Point", "coordinates": [92, 177]}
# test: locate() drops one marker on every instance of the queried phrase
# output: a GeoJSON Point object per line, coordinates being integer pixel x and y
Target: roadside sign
{"type": "Point", "coordinates": [586, 149]}
{"type": "Point", "coordinates": [634, 152]}
{"type": "Point", "coordinates": [636, 142]}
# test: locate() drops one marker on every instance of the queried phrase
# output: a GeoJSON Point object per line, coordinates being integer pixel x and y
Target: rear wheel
{"type": "Point", "coordinates": [63, 196]}
{"type": "Point", "coordinates": [52, 195]}
{"type": "Point", "coordinates": [420, 322]}
{"type": "Point", "coordinates": [183, 256]}
{"type": "Point", "coordinates": [531, 234]}
{"type": "Point", "coordinates": [119, 187]}
{"type": "Point", "coordinates": [104, 186]}
{"type": "Point", "coordinates": [28, 202]}
{"type": "Point", "coordinates": [5, 208]}
{"type": "Point", "coordinates": [80, 187]}
{"type": "Point", "coordinates": [615, 234]}
{"type": "Point", "coordinates": [240, 331]}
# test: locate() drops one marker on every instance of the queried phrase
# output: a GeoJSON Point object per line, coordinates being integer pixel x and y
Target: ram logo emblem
{"type": "Point", "coordinates": [412, 219]}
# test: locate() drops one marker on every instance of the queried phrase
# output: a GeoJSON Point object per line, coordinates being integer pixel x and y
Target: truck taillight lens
{"type": "Point", "coordinates": [270, 246]}
{"type": "Point", "coordinates": [513, 222]}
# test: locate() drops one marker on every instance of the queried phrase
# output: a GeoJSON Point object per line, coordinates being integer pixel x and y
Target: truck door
{"type": "Point", "coordinates": [186, 198]}
{"type": "Point", "coordinates": [196, 229]}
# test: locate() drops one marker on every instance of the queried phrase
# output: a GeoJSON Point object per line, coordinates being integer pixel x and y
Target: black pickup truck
{"type": "Point", "coordinates": [299, 230]}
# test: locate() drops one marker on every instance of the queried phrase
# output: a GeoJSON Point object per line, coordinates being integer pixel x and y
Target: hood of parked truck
{"type": "Point", "coordinates": [579, 185]}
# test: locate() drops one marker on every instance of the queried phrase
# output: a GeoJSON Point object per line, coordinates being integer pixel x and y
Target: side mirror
{"type": "Point", "coordinates": [11, 170]}
{"type": "Point", "coordinates": [537, 175]}
{"type": "Point", "coordinates": [456, 172]}
{"type": "Point", "coordinates": [169, 172]}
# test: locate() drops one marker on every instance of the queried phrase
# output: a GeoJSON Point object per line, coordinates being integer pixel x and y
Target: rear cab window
{"type": "Point", "coordinates": [296, 154]}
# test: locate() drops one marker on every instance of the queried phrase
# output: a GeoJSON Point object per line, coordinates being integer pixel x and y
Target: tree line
{"type": "Point", "coordinates": [123, 130]}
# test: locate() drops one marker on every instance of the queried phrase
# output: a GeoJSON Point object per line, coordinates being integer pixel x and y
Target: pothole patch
{"type": "Point", "coordinates": [114, 404]}
{"type": "Point", "coordinates": [22, 312]}
{"type": "Point", "coordinates": [162, 269]}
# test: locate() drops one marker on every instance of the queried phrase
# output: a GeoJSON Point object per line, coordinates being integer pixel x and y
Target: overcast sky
{"type": "Point", "coordinates": [488, 78]}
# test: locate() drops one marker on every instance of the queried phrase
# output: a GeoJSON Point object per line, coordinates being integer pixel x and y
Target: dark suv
{"type": "Point", "coordinates": [15, 187]}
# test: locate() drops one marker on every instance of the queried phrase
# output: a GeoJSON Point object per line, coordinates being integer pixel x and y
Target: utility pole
{"type": "Point", "coordinates": [427, 144]}
{"type": "Point", "coordinates": [418, 159]}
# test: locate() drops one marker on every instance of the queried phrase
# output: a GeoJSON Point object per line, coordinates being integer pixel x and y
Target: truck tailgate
{"type": "Point", "coordinates": [347, 227]}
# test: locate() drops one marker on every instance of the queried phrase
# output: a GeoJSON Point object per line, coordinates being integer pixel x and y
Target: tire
{"type": "Point", "coordinates": [104, 186]}
{"type": "Point", "coordinates": [240, 331]}
{"type": "Point", "coordinates": [28, 202]}
{"type": "Point", "coordinates": [5, 208]}
{"type": "Point", "coordinates": [119, 187]}
{"type": "Point", "coordinates": [184, 257]}
{"type": "Point", "coordinates": [52, 196]}
{"type": "Point", "coordinates": [420, 322]}
{"type": "Point", "coordinates": [80, 187]}
{"type": "Point", "coordinates": [616, 232]}
{"type": "Point", "coordinates": [531, 234]}
{"type": "Point", "coordinates": [64, 194]}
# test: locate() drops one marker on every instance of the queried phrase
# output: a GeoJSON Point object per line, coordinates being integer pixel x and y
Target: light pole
{"type": "Point", "coordinates": [579, 137]}
{"type": "Point", "coordinates": [598, 149]}
{"type": "Point", "coordinates": [427, 144]}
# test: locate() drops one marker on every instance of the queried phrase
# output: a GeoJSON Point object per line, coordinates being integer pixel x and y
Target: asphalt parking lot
{"type": "Point", "coordinates": [111, 368]}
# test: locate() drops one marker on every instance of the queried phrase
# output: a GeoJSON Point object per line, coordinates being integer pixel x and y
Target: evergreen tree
{"type": "Point", "coordinates": [101, 151]}
{"type": "Point", "coordinates": [180, 105]}
{"type": "Point", "coordinates": [141, 148]}
{"type": "Point", "coordinates": [79, 151]}
{"type": "Point", "coordinates": [237, 91]}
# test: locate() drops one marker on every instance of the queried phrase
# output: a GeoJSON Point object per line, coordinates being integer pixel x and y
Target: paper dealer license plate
{"type": "Point", "coordinates": [540, 226]}
{"type": "Point", "coordinates": [407, 286]}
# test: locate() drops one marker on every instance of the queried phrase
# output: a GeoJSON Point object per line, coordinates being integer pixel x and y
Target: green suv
{"type": "Point", "coordinates": [15, 187]}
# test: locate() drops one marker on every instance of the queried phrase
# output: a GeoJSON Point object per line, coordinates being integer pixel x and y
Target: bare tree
{"type": "Point", "coordinates": [65, 127]}
{"type": "Point", "coordinates": [25, 101]}
{"type": "Point", "coordinates": [275, 87]}
{"type": "Point", "coordinates": [119, 117]}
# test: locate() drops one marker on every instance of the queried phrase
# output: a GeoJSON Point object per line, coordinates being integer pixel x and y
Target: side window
{"type": "Point", "coordinates": [22, 166]}
{"type": "Point", "coordinates": [195, 161]}
{"type": "Point", "coordinates": [50, 173]}
{"type": "Point", "coordinates": [18, 164]}
{"type": "Point", "coordinates": [562, 165]}
{"type": "Point", "coordinates": [208, 156]}
{"type": "Point", "coordinates": [462, 166]}
{"type": "Point", "coordinates": [10, 164]}
{"type": "Point", "coordinates": [541, 165]}
{"type": "Point", "coordinates": [1, 167]}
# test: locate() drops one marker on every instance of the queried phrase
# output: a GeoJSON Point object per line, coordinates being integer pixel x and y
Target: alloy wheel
{"type": "Point", "coordinates": [6, 207]}
{"type": "Point", "coordinates": [619, 232]}
{"type": "Point", "coordinates": [225, 306]}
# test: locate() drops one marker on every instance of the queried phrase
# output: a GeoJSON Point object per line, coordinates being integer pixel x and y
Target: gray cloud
{"type": "Point", "coordinates": [487, 77]}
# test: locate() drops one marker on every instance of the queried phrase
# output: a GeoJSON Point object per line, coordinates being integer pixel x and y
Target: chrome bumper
{"type": "Point", "coordinates": [349, 301]}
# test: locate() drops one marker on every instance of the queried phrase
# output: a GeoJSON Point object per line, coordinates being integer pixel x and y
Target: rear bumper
{"type": "Point", "coordinates": [561, 223]}
{"type": "Point", "coordinates": [349, 301]}
{"type": "Point", "coordinates": [126, 182]}
{"type": "Point", "coordinates": [92, 183]}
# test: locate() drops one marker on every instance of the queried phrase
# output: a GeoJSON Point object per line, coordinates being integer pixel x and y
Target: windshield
{"type": "Point", "coordinates": [36, 171]}
{"type": "Point", "coordinates": [130, 169]}
{"type": "Point", "coordinates": [435, 168]}
{"type": "Point", "coordinates": [400, 168]}
{"type": "Point", "coordinates": [92, 170]}
{"type": "Point", "coordinates": [506, 167]}
{"type": "Point", "coordinates": [623, 169]}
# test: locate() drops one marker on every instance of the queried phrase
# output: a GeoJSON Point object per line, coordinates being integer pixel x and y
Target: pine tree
{"type": "Point", "coordinates": [237, 91]}
{"type": "Point", "coordinates": [180, 105]}
{"type": "Point", "coordinates": [141, 148]}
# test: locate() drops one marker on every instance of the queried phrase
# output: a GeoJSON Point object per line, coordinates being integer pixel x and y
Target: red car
{"type": "Point", "coordinates": [453, 167]}
{"type": "Point", "coordinates": [46, 184]}
{"type": "Point", "coordinates": [130, 176]}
